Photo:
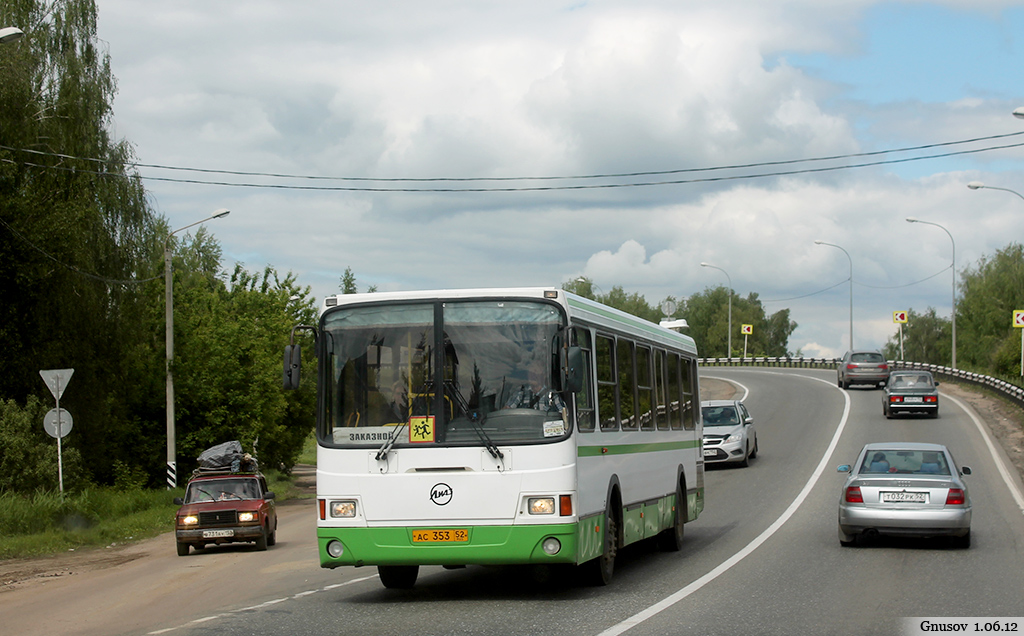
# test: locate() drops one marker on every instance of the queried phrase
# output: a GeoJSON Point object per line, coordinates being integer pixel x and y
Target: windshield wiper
{"type": "Point", "coordinates": [478, 426]}
{"type": "Point", "coordinates": [382, 452]}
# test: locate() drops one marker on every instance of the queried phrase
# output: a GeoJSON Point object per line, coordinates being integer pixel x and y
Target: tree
{"type": "Point", "coordinates": [634, 303]}
{"type": "Point", "coordinates": [926, 338]}
{"type": "Point", "coordinates": [76, 232]}
{"type": "Point", "coordinates": [989, 293]}
{"type": "Point", "coordinates": [708, 316]}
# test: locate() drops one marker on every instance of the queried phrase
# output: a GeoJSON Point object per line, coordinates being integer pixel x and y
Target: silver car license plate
{"type": "Point", "coordinates": [905, 497]}
{"type": "Point", "coordinates": [912, 400]}
{"type": "Point", "coordinates": [217, 534]}
{"type": "Point", "coordinates": [710, 452]}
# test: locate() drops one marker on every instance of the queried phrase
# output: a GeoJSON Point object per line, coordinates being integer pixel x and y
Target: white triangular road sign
{"type": "Point", "coordinates": [57, 380]}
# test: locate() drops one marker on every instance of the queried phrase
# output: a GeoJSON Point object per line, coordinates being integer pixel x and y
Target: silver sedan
{"type": "Point", "coordinates": [905, 489]}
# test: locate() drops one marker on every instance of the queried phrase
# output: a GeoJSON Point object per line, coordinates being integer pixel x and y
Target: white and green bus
{"type": "Point", "coordinates": [499, 426]}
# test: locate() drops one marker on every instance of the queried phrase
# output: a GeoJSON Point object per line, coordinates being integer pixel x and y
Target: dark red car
{"type": "Point", "coordinates": [226, 508]}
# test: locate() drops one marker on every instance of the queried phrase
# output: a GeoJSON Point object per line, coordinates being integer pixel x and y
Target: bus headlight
{"type": "Point", "coordinates": [551, 546]}
{"type": "Point", "coordinates": [343, 509]}
{"type": "Point", "coordinates": [541, 505]}
{"type": "Point", "coordinates": [335, 549]}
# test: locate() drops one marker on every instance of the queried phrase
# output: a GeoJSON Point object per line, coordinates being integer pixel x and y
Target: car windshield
{"type": "Point", "coordinates": [221, 490]}
{"type": "Point", "coordinates": [905, 462]}
{"type": "Point", "coordinates": [719, 415]}
{"type": "Point", "coordinates": [912, 381]}
{"type": "Point", "coordinates": [867, 357]}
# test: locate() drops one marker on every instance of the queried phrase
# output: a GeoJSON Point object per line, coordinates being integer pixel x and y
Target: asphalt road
{"type": "Point", "coordinates": [763, 558]}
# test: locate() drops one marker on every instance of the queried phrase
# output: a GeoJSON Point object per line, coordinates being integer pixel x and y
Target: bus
{"type": "Point", "coordinates": [499, 427]}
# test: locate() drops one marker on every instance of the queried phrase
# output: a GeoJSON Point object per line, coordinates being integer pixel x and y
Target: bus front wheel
{"type": "Point", "coordinates": [602, 568]}
{"type": "Point", "coordinates": [398, 577]}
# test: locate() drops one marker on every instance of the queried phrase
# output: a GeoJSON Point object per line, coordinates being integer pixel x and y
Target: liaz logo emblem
{"type": "Point", "coordinates": [441, 494]}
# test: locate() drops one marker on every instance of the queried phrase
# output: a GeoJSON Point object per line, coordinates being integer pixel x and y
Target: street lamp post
{"type": "Point", "coordinates": [172, 462]}
{"type": "Point", "coordinates": [10, 34]}
{"type": "Point", "coordinates": [851, 285]}
{"type": "Point", "coordinates": [978, 185]}
{"type": "Point", "coordinates": [953, 318]}
{"type": "Point", "coordinates": [729, 335]}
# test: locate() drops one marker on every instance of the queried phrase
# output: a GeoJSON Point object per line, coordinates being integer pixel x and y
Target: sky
{"type": "Point", "coordinates": [469, 144]}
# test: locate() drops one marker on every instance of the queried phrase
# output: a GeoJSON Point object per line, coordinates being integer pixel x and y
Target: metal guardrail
{"type": "Point", "coordinates": [1010, 391]}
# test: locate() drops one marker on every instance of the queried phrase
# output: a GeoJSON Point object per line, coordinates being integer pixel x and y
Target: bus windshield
{"type": "Point", "coordinates": [441, 373]}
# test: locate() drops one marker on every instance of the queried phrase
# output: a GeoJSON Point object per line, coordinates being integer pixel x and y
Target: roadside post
{"type": "Point", "coordinates": [1018, 323]}
{"type": "Point", "coordinates": [900, 318]}
{"type": "Point", "coordinates": [58, 422]}
{"type": "Point", "coordinates": [746, 330]}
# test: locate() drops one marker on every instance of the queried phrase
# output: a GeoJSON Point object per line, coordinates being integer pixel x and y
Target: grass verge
{"type": "Point", "coordinates": [47, 523]}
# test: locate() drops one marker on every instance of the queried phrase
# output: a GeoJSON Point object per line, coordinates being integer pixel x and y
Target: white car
{"type": "Point", "coordinates": [729, 434]}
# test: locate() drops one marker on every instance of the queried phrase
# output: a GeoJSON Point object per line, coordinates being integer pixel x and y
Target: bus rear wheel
{"type": "Point", "coordinates": [671, 539]}
{"type": "Point", "coordinates": [398, 577]}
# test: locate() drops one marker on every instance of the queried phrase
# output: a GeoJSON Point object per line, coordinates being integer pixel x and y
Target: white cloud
{"type": "Point", "coordinates": [403, 89]}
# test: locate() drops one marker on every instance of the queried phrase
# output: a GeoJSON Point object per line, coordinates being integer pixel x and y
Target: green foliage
{"type": "Point", "coordinates": [44, 522]}
{"type": "Point", "coordinates": [989, 292]}
{"type": "Point", "coordinates": [229, 340]}
{"type": "Point", "coordinates": [28, 455]}
{"type": "Point", "coordinates": [926, 339]}
{"type": "Point", "coordinates": [987, 343]}
{"type": "Point", "coordinates": [707, 313]}
{"type": "Point", "coordinates": [81, 274]}
{"type": "Point", "coordinates": [708, 316]}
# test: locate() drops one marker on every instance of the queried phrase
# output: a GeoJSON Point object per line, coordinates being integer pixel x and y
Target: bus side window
{"type": "Point", "coordinates": [660, 392]}
{"type": "Point", "coordinates": [606, 384]}
{"type": "Point", "coordinates": [584, 400]}
{"type": "Point", "coordinates": [627, 385]}
{"type": "Point", "coordinates": [645, 389]}
{"type": "Point", "coordinates": [675, 393]}
{"type": "Point", "coordinates": [689, 382]}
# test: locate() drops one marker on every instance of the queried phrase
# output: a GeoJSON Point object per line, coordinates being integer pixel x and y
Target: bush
{"type": "Point", "coordinates": [28, 455]}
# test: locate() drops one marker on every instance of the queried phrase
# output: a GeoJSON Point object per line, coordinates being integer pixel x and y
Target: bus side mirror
{"type": "Point", "coordinates": [292, 366]}
{"type": "Point", "coordinates": [572, 370]}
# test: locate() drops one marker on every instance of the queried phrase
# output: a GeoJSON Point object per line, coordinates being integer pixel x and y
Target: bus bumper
{"type": "Point", "coordinates": [486, 545]}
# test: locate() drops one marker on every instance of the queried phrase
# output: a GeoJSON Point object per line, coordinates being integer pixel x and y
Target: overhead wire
{"type": "Point", "coordinates": [538, 188]}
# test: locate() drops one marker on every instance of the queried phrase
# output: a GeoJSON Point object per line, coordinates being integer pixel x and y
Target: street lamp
{"type": "Point", "coordinates": [10, 34]}
{"type": "Point", "coordinates": [953, 319]}
{"type": "Point", "coordinates": [1019, 112]}
{"type": "Point", "coordinates": [978, 185]}
{"type": "Point", "coordinates": [172, 463]}
{"type": "Point", "coordinates": [729, 278]}
{"type": "Point", "coordinates": [851, 285]}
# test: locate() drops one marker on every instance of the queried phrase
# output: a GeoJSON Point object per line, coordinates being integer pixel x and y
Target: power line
{"type": "Point", "coordinates": [543, 178]}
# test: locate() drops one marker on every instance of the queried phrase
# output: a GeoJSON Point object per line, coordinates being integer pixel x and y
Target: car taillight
{"type": "Point", "coordinates": [853, 495]}
{"type": "Point", "coordinates": [931, 399]}
{"type": "Point", "coordinates": [851, 366]}
{"type": "Point", "coordinates": [955, 497]}
{"type": "Point", "coordinates": [895, 398]}
{"type": "Point", "coordinates": [883, 367]}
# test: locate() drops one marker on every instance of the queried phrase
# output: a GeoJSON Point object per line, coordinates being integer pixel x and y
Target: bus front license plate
{"type": "Point", "coordinates": [447, 535]}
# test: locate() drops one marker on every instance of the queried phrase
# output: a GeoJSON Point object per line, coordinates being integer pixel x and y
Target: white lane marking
{"type": "Point", "coordinates": [669, 601]}
{"type": "Point", "coordinates": [996, 457]}
{"type": "Point", "coordinates": [206, 619]}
